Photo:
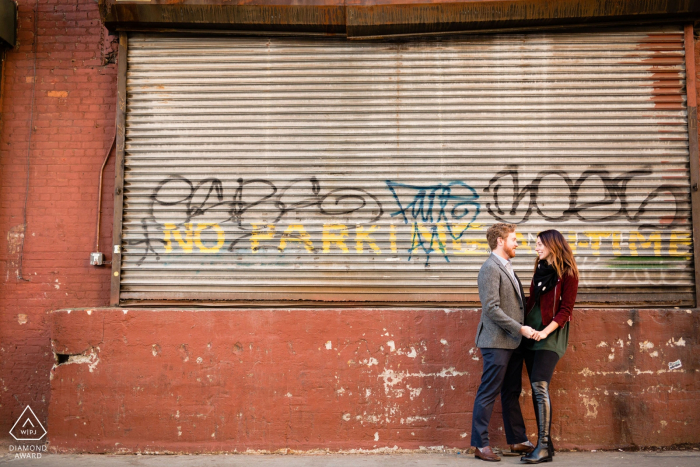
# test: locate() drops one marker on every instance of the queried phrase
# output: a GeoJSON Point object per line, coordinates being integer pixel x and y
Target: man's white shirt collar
{"type": "Point", "coordinates": [503, 260]}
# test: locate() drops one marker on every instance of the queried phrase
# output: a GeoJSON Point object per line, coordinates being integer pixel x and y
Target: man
{"type": "Point", "coordinates": [498, 336]}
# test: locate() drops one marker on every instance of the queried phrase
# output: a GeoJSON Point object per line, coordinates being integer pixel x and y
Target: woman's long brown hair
{"type": "Point", "coordinates": [562, 256]}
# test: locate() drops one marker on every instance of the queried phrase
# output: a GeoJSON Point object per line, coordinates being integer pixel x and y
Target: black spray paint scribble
{"type": "Point", "coordinates": [208, 195]}
{"type": "Point", "coordinates": [615, 189]}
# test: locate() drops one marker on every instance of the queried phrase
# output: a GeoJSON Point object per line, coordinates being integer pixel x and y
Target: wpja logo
{"type": "Point", "coordinates": [28, 428]}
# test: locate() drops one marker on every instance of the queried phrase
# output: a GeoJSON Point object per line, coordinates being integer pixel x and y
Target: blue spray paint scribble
{"type": "Point", "coordinates": [430, 205]}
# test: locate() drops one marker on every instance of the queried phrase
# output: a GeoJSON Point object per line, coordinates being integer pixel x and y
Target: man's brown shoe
{"type": "Point", "coordinates": [520, 449]}
{"type": "Point", "coordinates": [486, 454]}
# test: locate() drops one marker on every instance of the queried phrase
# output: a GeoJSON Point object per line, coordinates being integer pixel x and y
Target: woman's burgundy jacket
{"type": "Point", "coordinates": [557, 304]}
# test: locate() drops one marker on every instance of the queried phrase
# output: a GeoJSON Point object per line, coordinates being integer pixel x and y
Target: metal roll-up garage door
{"type": "Point", "coordinates": [307, 169]}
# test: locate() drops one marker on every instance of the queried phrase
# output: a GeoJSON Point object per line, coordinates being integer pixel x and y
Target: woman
{"type": "Point", "coordinates": [552, 296]}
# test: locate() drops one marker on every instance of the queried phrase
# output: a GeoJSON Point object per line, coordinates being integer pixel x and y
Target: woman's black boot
{"type": "Point", "coordinates": [543, 450]}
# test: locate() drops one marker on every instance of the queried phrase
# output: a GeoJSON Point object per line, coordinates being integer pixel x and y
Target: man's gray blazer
{"type": "Point", "coordinates": [502, 309]}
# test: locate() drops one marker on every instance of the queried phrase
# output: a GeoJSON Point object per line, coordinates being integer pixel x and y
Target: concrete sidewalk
{"type": "Point", "coordinates": [568, 459]}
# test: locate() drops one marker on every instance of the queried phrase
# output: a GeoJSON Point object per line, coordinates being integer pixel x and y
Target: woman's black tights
{"type": "Point", "coordinates": [540, 364]}
{"type": "Point", "coordinates": [540, 367]}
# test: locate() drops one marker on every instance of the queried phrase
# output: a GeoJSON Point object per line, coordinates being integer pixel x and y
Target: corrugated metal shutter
{"type": "Point", "coordinates": [321, 169]}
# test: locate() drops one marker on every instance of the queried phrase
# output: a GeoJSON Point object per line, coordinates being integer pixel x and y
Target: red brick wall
{"type": "Point", "coordinates": [71, 128]}
{"type": "Point", "coordinates": [225, 380]}
{"type": "Point", "coordinates": [71, 124]}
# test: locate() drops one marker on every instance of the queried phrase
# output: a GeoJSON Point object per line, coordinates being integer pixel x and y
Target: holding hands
{"type": "Point", "coordinates": [530, 333]}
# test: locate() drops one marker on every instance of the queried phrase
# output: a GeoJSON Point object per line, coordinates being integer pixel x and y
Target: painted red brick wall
{"type": "Point", "coordinates": [63, 99]}
{"type": "Point", "coordinates": [225, 380]}
{"type": "Point", "coordinates": [71, 124]}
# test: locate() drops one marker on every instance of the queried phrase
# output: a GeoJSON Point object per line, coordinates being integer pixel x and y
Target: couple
{"type": "Point", "coordinates": [506, 318]}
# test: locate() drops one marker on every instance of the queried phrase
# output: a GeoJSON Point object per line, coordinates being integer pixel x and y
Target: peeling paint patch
{"type": "Point", "coordinates": [443, 341]}
{"type": "Point", "coordinates": [22, 319]}
{"type": "Point", "coordinates": [417, 418]}
{"type": "Point", "coordinates": [676, 343]}
{"type": "Point", "coordinates": [15, 238]}
{"type": "Point", "coordinates": [630, 322]}
{"type": "Point", "coordinates": [376, 436]}
{"type": "Point", "coordinates": [602, 344]}
{"type": "Point", "coordinates": [413, 392]}
{"type": "Point", "coordinates": [646, 345]}
{"type": "Point", "coordinates": [346, 417]}
{"type": "Point", "coordinates": [591, 406]}
{"type": "Point", "coordinates": [90, 358]}
{"type": "Point", "coordinates": [392, 347]}
{"type": "Point", "coordinates": [329, 345]}
{"type": "Point", "coordinates": [392, 378]}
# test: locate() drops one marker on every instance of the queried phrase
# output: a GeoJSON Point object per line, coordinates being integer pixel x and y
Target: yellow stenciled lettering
{"type": "Point", "coordinates": [596, 240]}
{"type": "Point", "coordinates": [361, 237]}
{"type": "Point", "coordinates": [296, 233]}
{"type": "Point", "coordinates": [677, 239]}
{"type": "Point", "coordinates": [166, 236]}
{"type": "Point", "coordinates": [573, 241]}
{"type": "Point", "coordinates": [468, 247]}
{"type": "Point", "coordinates": [187, 243]}
{"type": "Point", "coordinates": [392, 239]}
{"type": "Point", "coordinates": [335, 234]}
{"type": "Point", "coordinates": [220, 237]}
{"type": "Point", "coordinates": [616, 241]}
{"type": "Point", "coordinates": [523, 242]}
{"type": "Point", "coordinates": [645, 242]}
{"type": "Point", "coordinates": [268, 233]}
{"type": "Point", "coordinates": [436, 242]}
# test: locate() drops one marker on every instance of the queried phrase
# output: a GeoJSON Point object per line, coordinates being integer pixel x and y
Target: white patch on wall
{"type": "Point", "coordinates": [392, 347]}
{"type": "Point", "coordinates": [591, 406]}
{"type": "Point", "coordinates": [392, 378]}
{"type": "Point", "coordinates": [676, 343]}
{"type": "Point", "coordinates": [646, 345]}
{"type": "Point", "coordinates": [443, 341]}
{"type": "Point", "coordinates": [376, 436]}
{"type": "Point", "coordinates": [90, 358]}
{"type": "Point", "coordinates": [417, 418]}
{"type": "Point", "coordinates": [329, 345]}
{"type": "Point", "coordinates": [413, 392]}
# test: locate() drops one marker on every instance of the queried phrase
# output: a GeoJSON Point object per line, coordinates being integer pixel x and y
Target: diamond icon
{"type": "Point", "coordinates": [28, 427]}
